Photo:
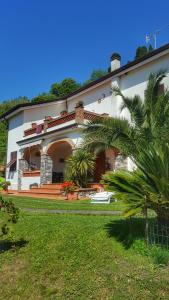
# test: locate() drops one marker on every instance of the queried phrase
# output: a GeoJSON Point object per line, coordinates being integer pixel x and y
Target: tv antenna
{"type": "Point", "coordinates": [153, 36]}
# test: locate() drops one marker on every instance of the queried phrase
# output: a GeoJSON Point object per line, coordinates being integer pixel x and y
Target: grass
{"type": "Point", "coordinates": [79, 257]}
{"type": "Point", "coordinates": [27, 202]}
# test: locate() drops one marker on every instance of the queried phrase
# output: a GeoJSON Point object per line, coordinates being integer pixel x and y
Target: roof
{"type": "Point", "coordinates": [93, 83]}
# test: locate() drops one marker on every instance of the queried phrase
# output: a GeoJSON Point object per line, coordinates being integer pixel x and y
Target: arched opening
{"type": "Point", "coordinates": [105, 161]}
{"type": "Point", "coordinates": [33, 157]}
{"type": "Point", "coordinates": [59, 153]}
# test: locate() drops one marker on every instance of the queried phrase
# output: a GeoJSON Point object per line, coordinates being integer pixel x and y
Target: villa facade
{"type": "Point", "coordinates": [42, 136]}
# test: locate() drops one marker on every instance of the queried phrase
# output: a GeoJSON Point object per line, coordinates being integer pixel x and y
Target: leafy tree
{"type": "Point", "coordinates": [139, 139]}
{"type": "Point", "coordinates": [96, 74]}
{"type": "Point", "coordinates": [143, 50]}
{"type": "Point", "coordinates": [80, 166]}
{"type": "Point", "coordinates": [44, 97]}
{"type": "Point", "coordinates": [5, 106]}
{"type": "Point", "coordinates": [8, 104]}
{"type": "Point", "coordinates": [64, 88]}
{"type": "Point", "coordinates": [11, 212]}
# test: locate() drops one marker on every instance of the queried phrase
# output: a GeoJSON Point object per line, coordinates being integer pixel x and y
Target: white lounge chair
{"type": "Point", "coordinates": [102, 197]}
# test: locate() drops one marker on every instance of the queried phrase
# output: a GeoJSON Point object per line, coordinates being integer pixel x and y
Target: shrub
{"type": "Point", "coordinates": [4, 184]}
{"type": "Point", "coordinates": [160, 255]}
{"type": "Point", "coordinates": [12, 214]}
{"type": "Point", "coordinates": [80, 167]}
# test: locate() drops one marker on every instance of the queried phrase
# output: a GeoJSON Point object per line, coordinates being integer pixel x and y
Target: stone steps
{"type": "Point", "coordinates": [39, 196]}
{"type": "Point", "coordinates": [41, 191]}
{"type": "Point", "coordinates": [52, 184]}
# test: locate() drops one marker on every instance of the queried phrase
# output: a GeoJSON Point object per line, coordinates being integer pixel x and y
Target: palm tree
{"type": "Point", "coordinates": [149, 122]}
{"type": "Point", "coordinates": [147, 186]}
{"type": "Point", "coordinates": [145, 139]}
{"type": "Point", "coordinates": [80, 166]}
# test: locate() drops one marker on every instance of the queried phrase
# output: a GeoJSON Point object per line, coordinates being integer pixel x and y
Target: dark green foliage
{"type": "Point", "coordinates": [145, 140]}
{"type": "Point", "coordinates": [142, 51]}
{"type": "Point", "coordinates": [44, 97]}
{"type": "Point", "coordinates": [147, 186]}
{"type": "Point", "coordinates": [12, 213]}
{"type": "Point", "coordinates": [64, 88]}
{"type": "Point", "coordinates": [80, 166]}
{"type": "Point", "coordinates": [96, 74]}
{"type": "Point", "coordinates": [8, 104]}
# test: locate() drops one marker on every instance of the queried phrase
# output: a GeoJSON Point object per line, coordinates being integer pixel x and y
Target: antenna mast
{"type": "Point", "coordinates": [153, 36]}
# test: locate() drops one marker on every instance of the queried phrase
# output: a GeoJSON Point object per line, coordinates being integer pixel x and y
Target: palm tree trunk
{"type": "Point", "coordinates": [163, 216]}
{"type": "Point", "coordinates": [146, 221]}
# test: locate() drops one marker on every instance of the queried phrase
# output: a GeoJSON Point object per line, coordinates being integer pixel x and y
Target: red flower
{"type": "Point", "coordinates": [67, 184]}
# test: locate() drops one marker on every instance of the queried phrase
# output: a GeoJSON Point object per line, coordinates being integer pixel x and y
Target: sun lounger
{"type": "Point", "coordinates": [102, 197]}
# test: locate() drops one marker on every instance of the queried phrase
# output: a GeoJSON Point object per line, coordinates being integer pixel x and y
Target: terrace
{"type": "Point", "coordinates": [79, 116]}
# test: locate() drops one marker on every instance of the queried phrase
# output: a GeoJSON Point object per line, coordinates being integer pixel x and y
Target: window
{"type": "Point", "coordinates": [13, 161]}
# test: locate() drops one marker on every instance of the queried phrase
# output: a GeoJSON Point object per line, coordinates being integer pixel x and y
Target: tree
{"type": "Point", "coordinates": [143, 50]}
{"type": "Point", "coordinates": [11, 212]}
{"type": "Point", "coordinates": [64, 88]}
{"type": "Point", "coordinates": [44, 97]}
{"type": "Point", "coordinates": [96, 74]}
{"type": "Point", "coordinates": [146, 187]}
{"type": "Point", "coordinates": [80, 166]}
{"type": "Point", "coordinates": [140, 140]}
{"type": "Point", "coordinates": [149, 121]}
{"type": "Point", "coordinates": [5, 106]}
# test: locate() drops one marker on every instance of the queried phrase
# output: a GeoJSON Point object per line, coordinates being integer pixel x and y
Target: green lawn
{"type": "Point", "coordinates": [79, 257]}
{"type": "Point", "coordinates": [27, 202]}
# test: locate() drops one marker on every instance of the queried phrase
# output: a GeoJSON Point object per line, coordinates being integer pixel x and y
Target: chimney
{"type": "Point", "coordinates": [79, 113]}
{"type": "Point", "coordinates": [115, 61]}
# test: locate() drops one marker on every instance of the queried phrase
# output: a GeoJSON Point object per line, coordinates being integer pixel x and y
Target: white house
{"type": "Point", "coordinates": [42, 136]}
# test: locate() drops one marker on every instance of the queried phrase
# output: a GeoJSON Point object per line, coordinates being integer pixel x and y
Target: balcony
{"type": "Point", "coordinates": [76, 117]}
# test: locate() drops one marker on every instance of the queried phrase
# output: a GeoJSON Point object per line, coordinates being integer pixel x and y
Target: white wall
{"type": "Point", "coordinates": [134, 82]}
{"type": "Point", "coordinates": [98, 100]}
{"type": "Point", "coordinates": [37, 114]}
{"type": "Point", "coordinates": [15, 133]}
{"type": "Point", "coordinates": [27, 181]}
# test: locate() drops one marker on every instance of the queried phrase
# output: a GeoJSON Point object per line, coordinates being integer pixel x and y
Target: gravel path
{"type": "Point", "coordinates": [74, 212]}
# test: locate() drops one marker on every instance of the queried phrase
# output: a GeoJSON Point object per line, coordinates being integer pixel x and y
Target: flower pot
{"type": "Point", "coordinates": [70, 196]}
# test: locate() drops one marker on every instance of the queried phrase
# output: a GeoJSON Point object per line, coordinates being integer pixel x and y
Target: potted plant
{"type": "Point", "coordinates": [68, 188]}
{"type": "Point", "coordinates": [63, 113]}
{"type": "Point", "coordinates": [4, 185]}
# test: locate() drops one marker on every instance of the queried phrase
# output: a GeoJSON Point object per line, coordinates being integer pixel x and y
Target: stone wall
{"type": "Point", "coordinates": [22, 166]}
{"type": "Point", "coordinates": [46, 169]}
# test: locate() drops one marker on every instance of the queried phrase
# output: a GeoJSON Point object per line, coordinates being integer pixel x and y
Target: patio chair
{"type": "Point", "coordinates": [102, 197]}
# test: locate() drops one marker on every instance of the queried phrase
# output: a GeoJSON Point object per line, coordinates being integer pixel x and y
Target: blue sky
{"type": "Point", "coordinates": [44, 41]}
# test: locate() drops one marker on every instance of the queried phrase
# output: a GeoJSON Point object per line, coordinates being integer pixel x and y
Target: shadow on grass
{"type": "Point", "coordinates": [6, 245]}
{"type": "Point", "coordinates": [126, 231]}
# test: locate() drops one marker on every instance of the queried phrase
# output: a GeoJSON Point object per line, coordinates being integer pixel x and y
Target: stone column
{"type": "Point", "coordinates": [121, 162]}
{"type": "Point", "coordinates": [46, 169]}
{"type": "Point", "coordinates": [22, 166]}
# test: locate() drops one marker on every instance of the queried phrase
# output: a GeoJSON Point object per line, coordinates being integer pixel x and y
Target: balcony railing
{"type": "Point", "coordinates": [79, 115]}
